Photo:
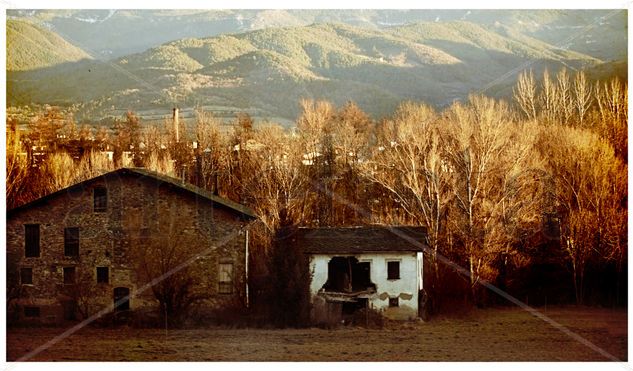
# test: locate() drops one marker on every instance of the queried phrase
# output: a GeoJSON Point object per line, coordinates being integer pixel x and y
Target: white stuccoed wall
{"type": "Point", "coordinates": [406, 288]}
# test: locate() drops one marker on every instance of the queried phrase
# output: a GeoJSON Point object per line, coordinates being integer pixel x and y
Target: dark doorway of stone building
{"type": "Point", "coordinates": [121, 299]}
{"type": "Point", "coordinates": [70, 309]}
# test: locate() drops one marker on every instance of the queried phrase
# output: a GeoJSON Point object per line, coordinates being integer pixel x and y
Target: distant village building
{"type": "Point", "coordinates": [373, 267]}
{"type": "Point", "coordinates": [108, 154]}
{"type": "Point", "coordinates": [91, 229]}
{"type": "Point", "coordinates": [250, 145]}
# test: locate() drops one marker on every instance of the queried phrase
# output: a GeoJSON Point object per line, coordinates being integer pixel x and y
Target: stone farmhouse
{"type": "Point", "coordinates": [80, 241]}
{"type": "Point", "coordinates": [377, 267]}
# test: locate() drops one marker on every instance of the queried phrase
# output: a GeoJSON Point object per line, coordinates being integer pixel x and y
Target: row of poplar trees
{"type": "Point", "coordinates": [528, 195]}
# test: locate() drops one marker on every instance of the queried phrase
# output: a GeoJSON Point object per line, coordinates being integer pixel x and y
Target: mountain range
{"type": "Point", "coordinates": [263, 62]}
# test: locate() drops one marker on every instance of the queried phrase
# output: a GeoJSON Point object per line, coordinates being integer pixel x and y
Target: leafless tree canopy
{"type": "Point", "coordinates": [500, 186]}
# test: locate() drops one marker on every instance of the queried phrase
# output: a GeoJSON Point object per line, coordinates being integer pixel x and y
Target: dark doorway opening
{"type": "Point", "coordinates": [70, 309]}
{"type": "Point", "coordinates": [121, 299]}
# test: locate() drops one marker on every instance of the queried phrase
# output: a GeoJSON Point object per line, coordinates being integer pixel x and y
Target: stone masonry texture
{"type": "Point", "coordinates": [140, 209]}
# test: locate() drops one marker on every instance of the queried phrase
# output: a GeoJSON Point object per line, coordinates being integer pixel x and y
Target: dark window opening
{"type": "Point", "coordinates": [393, 302]}
{"type": "Point", "coordinates": [69, 275]}
{"type": "Point", "coordinates": [393, 270]}
{"type": "Point", "coordinates": [103, 275]}
{"type": "Point", "coordinates": [121, 299]}
{"type": "Point", "coordinates": [225, 282]}
{"type": "Point", "coordinates": [347, 274]}
{"type": "Point", "coordinates": [26, 276]}
{"type": "Point", "coordinates": [100, 199]}
{"type": "Point", "coordinates": [32, 240]}
{"type": "Point", "coordinates": [71, 241]}
{"type": "Point", "coordinates": [31, 311]}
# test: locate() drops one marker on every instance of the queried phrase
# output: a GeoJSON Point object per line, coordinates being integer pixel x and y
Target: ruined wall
{"type": "Point", "coordinates": [405, 289]}
{"type": "Point", "coordinates": [137, 208]}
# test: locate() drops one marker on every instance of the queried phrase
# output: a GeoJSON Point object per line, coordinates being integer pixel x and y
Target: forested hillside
{"type": "Point", "coordinates": [262, 71]}
{"type": "Point", "coordinates": [596, 32]}
{"type": "Point", "coordinates": [31, 47]}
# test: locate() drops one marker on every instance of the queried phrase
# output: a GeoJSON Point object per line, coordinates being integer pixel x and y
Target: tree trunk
{"type": "Point", "coordinates": [473, 280]}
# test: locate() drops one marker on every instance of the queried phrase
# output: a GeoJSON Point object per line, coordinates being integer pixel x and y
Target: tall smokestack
{"type": "Point", "coordinates": [176, 125]}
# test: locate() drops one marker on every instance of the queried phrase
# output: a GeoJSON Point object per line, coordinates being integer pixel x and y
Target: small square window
{"type": "Point", "coordinates": [393, 270]}
{"type": "Point", "coordinates": [69, 275]}
{"type": "Point", "coordinates": [31, 311]}
{"type": "Point", "coordinates": [26, 276]}
{"type": "Point", "coordinates": [71, 241]}
{"type": "Point", "coordinates": [394, 302]}
{"type": "Point", "coordinates": [103, 275]}
{"type": "Point", "coordinates": [100, 199]}
{"type": "Point", "coordinates": [32, 240]}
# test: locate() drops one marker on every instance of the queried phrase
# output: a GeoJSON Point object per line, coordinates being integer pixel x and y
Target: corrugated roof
{"type": "Point", "coordinates": [354, 240]}
{"type": "Point", "coordinates": [160, 177]}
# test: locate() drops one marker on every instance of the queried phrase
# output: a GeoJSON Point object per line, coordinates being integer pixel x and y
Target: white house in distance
{"type": "Point", "coordinates": [378, 267]}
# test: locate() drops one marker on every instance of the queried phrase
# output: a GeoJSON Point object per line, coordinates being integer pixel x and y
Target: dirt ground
{"type": "Point", "coordinates": [483, 335]}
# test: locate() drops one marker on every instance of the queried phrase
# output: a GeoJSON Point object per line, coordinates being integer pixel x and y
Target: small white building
{"type": "Point", "coordinates": [376, 267]}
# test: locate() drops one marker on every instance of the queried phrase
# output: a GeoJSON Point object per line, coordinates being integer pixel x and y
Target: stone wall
{"type": "Point", "coordinates": [141, 210]}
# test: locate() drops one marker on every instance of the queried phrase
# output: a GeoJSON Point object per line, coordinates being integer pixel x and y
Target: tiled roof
{"type": "Point", "coordinates": [194, 189]}
{"type": "Point", "coordinates": [177, 183]}
{"type": "Point", "coordinates": [375, 238]}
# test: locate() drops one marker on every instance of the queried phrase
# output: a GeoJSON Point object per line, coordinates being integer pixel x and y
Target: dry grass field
{"type": "Point", "coordinates": [482, 335]}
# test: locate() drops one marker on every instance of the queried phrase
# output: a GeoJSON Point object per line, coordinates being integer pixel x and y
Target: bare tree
{"type": "Point", "coordinates": [17, 166]}
{"type": "Point", "coordinates": [487, 161]}
{"type": "Point", "coordinates": [160, 163]}
{"type": "Point", "coordinates": [612, 99]}
{"type": "Point", "coordinates": [211, 154]}
{"type": "Point", "coordinates": [525, 95]}
{"type": "Point", "coordinates": [92, 165]}
{"type": "Point", "coordinates": [548, 99]}
{"type": "Point", "coordinates": [46, 128]}
{"type": "Point", "coordinates": [408, 163]}
{"type": "Point", "coordinates": [85, 294]}
{"type": "Point", "coordinates": [60, 171]}
{"type": "Point", "coordinates": [591, 189]}
{"type": "Point", "coordinates": [276, 184]}
{"type": "Point", "coordinates": [352, 136]}
{"type": "Point", "coordinates": [315, 132]}
{"type": "Point", "coordinates": [582, 97]}
{"type": "Point", "coordinates": [564, 98]}
{"type": "Point", "coordinates": [173, 255]}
